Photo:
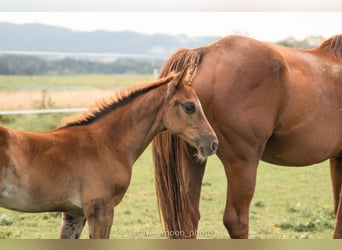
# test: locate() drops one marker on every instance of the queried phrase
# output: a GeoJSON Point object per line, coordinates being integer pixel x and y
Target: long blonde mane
{"type": "Point", "coordinates": [182, 58]}
{"type": "Point", "coordinates": [175, 208]}
{"type": "Point", "coordinates": [334, 45]}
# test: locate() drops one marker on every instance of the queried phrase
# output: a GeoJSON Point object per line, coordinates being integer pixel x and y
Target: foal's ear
{"type": "Point", "coordinates": [177, 80]}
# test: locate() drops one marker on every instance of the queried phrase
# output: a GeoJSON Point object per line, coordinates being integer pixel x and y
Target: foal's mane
{"type": "Point", "coordinates": [119, 99]}
{"type": "Point", "coordinates": [334, 45]}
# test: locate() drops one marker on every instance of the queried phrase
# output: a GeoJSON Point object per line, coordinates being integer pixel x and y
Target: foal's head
{"type": "Point", "coordinates": [184, 116]}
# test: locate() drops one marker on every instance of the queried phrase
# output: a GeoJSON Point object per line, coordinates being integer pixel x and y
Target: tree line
{"type": "Point", "coordinates": [32, 65]}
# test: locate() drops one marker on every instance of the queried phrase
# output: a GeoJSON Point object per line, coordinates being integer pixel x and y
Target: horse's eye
{"type": "Point", "coordinates": [189, 108]}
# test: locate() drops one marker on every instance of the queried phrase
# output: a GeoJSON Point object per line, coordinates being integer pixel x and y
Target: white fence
{"type": "Point", "coordinates": [42, 111]}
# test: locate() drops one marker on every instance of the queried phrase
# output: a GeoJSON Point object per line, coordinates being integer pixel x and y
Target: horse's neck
{"type": "Point", "coordinates": [129, 129]}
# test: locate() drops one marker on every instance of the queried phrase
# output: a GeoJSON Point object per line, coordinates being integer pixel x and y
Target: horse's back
{"type": "Point", "coordinates": [288, 99]}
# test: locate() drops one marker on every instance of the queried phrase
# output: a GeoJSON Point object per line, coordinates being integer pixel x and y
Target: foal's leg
{"type": "Point", "coordinates": [100, 218]}
{"type": "Point", "coordinates": [336, 180]}
{"type": "Point", "coordinates": [72, 226]}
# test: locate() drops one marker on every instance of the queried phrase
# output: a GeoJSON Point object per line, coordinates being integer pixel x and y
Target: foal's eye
{"type": "Point", "coordinates": [189, 108]}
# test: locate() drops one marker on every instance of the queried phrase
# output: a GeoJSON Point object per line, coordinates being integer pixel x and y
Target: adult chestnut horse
{"type": "Point", "coordinates": [265, 102]}
{"type": "Point", "coordinates": [84, 168]}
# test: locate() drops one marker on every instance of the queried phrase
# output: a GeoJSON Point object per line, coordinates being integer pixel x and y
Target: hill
{"type": "Point", "coordinates": [27, 49]}
{"type": "Point", "coordinates": [39, 37]}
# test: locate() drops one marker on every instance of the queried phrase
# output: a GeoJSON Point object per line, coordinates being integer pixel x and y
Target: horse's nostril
{"type": "Point", "coordinates": [214, 146]}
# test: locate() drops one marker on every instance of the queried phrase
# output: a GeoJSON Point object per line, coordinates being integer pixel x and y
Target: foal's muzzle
{"type": "Point", "coordinates": [207, 146]}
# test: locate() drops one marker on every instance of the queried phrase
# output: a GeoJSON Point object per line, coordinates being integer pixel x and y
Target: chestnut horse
{"type": "Point", "coordinates": [265, 102]}
{"type": "Point", "coordinates": [84, 168]}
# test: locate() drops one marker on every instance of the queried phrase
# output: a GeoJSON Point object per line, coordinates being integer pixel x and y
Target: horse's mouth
{"type": "Point", "coordinates": [204, 152]}
{"type": "Point", "coordinates": [204, 146]}
{"type": "Point", "coordinates": [201, 154]}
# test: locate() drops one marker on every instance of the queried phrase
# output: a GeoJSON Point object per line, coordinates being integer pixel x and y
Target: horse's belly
{"type": "Point", "coordinates": [301, 149]}
{"type": "Point", "coordinates": [14, 199]}
{"type": "Point", "coordinates": [27, 204]}
{"type": "Point", "coordinates": [18, 198]}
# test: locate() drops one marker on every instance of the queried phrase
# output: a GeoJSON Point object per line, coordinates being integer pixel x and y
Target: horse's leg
{"type": "Point", "coordinates": [240, 190]}
{"type": "Point", "coordinates": [240, 160]}
{"type": "Point", "coordinates": [194, 172]}
{"type": "Point", "coordinates": [100, 218]}
{"type": "Point", "coordinates": [72, 226]}
{"type": "Point", "coordinates": [336, 180]}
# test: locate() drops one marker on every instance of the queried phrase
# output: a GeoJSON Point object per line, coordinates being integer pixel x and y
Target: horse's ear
{"type": "Point", "coordinates": [178, 79]}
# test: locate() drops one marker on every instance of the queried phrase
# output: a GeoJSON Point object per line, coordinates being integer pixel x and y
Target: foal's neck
{"type": "Point", "coordinates": [132, 127]}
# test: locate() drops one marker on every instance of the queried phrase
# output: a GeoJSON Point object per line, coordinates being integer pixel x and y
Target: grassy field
{"type": "Point", "coordinates": [58, 82]}
{"type": "Point", "coordinates": [30, 92]}
{"type": "Point", "coordinates": [290, 203]}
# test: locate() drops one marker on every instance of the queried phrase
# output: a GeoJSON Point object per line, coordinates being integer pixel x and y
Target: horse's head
{"type": "Point", "coordinates": [184, 116]}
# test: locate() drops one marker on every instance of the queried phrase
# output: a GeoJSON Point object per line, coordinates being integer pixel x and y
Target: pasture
{"type": "Point", "coordinates": [289, 202]}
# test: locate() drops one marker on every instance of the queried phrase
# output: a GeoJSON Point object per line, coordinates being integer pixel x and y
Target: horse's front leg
{"type": "Point", "coordinates": [240, 191]}
{"type": "Point", "coordinates": [72, 225]}
{"type": "Point", "coordinates": [100, 216]}
{"type": "Point", "coordinates": [240, 160]}
{"type": "Point", "coordinates": [336, 181]}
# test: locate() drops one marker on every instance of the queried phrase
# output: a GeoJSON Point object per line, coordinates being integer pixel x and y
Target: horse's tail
{"type": "Point", "coordinates": [173, 201]}
{"type": "Point", "coordinates": [334, 45]}
{"type": "Point", "coordinates": [170, 155]}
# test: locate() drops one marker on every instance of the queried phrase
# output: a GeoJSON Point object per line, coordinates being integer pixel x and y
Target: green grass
{"type": "Point", "coordinates": [295, 203]}
{"type": "Point", "coordinates": [289, 203]}
{"type": "Point", "coordinates": [284, 207]}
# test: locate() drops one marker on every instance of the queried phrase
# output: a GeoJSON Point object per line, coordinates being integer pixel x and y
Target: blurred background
{"type": "Point", "coordinates": [59, 57]}
{"type": "Point", "coordinates": [46, 43]}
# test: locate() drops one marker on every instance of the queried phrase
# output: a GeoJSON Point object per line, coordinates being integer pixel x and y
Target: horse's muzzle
{"type": "Point", "coordinates": [208, 146]}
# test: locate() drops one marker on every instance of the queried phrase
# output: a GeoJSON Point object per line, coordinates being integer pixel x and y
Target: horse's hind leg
{"type": "Point", "coordinates": [336, 180]}
{"type": "Point", "coordinates": [72, 226]}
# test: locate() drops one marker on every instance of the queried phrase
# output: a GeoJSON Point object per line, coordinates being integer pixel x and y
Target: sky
{"type": "Point", "coordinates": [171, 5]}
{"type": "Point", "coordinates": [268, 26]}
{"type": "Point", "coordinates": [260, 19]}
